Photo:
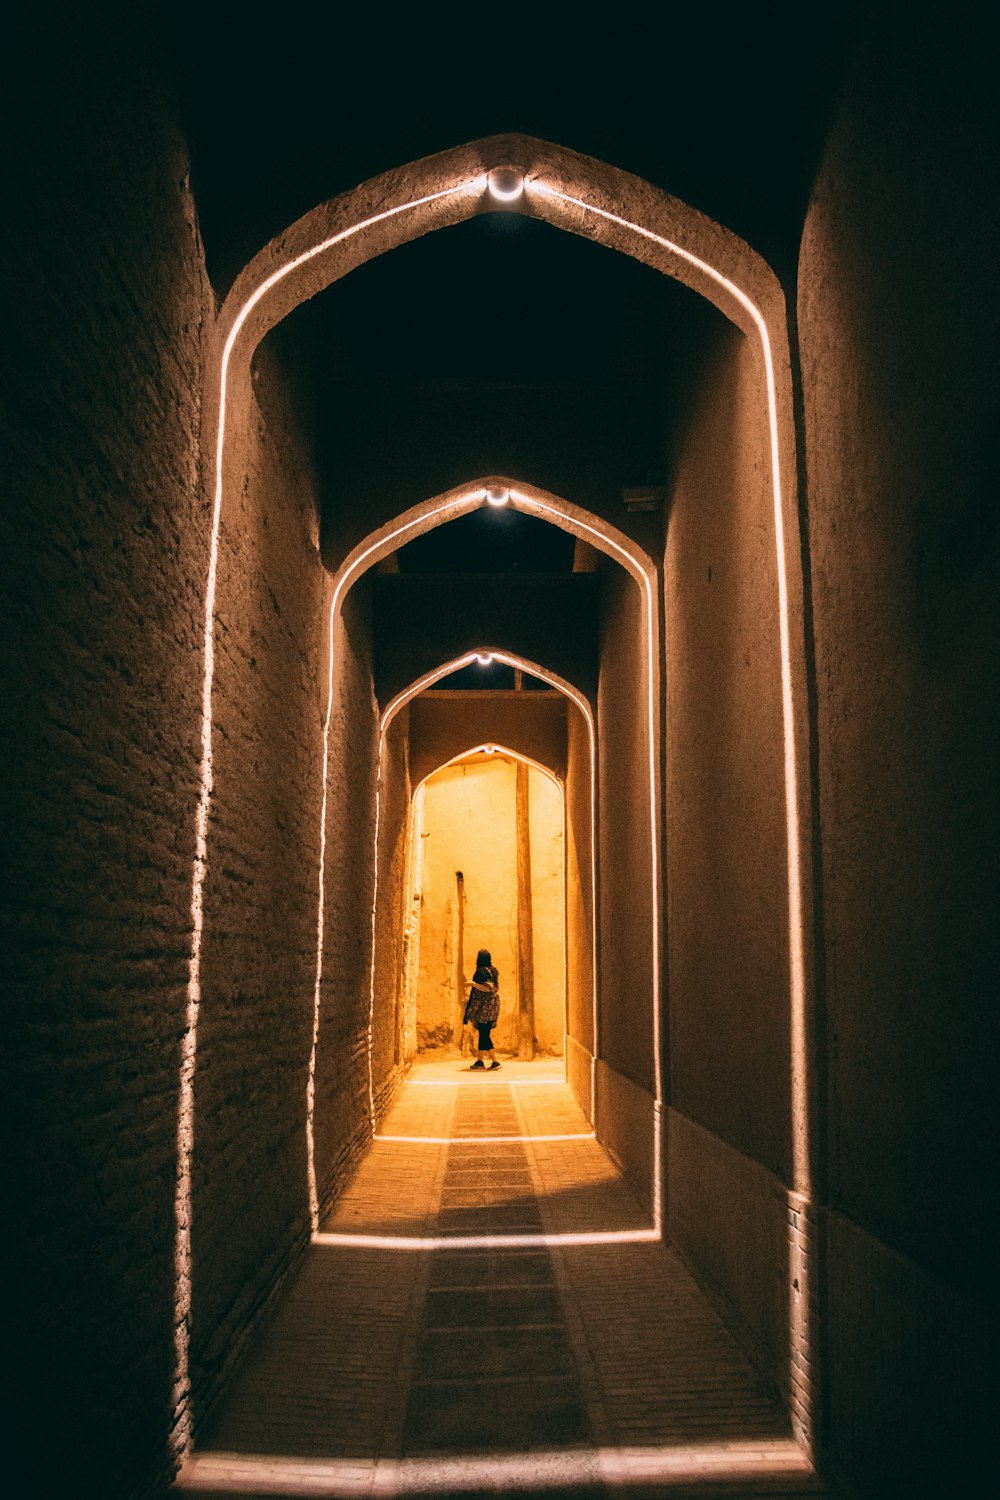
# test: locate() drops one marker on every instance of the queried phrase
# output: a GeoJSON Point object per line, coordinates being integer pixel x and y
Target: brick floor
{"type": "Point", "coordinates": [451, 1332]}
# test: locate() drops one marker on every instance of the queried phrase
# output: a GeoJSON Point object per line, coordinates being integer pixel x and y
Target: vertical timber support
{"type": "Point", "coordinates": [525, 930]}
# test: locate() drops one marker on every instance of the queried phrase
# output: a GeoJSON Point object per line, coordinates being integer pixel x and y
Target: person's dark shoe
{"type": "Point", "coordinates": [493, 1067]}
{"type": "Point", "coordinates": [478, 1064]}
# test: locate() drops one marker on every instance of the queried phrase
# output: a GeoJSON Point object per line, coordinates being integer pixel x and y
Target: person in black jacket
{"type": "Point", "coordinates": [483, 1007]}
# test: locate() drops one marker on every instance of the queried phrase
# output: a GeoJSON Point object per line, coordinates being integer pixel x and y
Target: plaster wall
{"type": "Point", "coordinates": [900, 323]}
{"type": "Point", "coordinates": [469, 825]}
{"type": "Point", "coordinates": [104, 551]}
{"type": "Point", "coordinates": [727, 922]}
{"type": "Point", "coordinates": [727, 897]}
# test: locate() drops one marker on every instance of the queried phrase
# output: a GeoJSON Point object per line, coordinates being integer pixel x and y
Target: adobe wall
{"type": "Point", "coordinates": [627, 1083]}
{"type": "Point", "coordinates": [388, 1011]}
{"type": "Point", "coordinates": [899, 322]}
{"type": "Point", "coordinates": [579, 911]}
{"type": "Point", "coordinates": [250, 1197]}
{"type": "Point", "coordinates": [105, 547]}
{"type": "Point", "coordinates": [342, 1105]}
{"type": "Point", "coordinates": [727, 893]}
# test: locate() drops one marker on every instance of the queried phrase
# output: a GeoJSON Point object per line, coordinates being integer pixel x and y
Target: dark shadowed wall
{"type": "Point", "coordinates": [105, 547]}
{"type": "Point", "coordinates": [250, 1185]}
{"type": "Point", "coordinates": [900, 329]}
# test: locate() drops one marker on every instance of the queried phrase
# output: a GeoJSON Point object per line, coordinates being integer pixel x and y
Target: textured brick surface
{"type": "Point", "coordinates": [250, 1189]}
{"type": "Point", "coordinates": [104, 550]}
{"type": "Point", "coordinates": [342, 1079]}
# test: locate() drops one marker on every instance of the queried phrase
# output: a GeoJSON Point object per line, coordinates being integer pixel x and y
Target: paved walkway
{"type": "Point", "coordinates": [487, 1310]}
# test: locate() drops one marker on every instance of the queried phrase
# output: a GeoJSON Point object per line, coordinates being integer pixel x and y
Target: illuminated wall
{"type": "Point", "coordinates": [469, 825]}
{"type": "Point", "coordinates": [341, 1123]}
{"type": "Point", "coordinates": [729, 1161]}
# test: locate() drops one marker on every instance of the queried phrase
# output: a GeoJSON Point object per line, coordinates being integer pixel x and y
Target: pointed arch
{"type": "Point", "coordinates": [490, 748]}
{"type": "Point", "coordinates": [602, 203]}
{"type": "Point", "coordinates": [427, 679]}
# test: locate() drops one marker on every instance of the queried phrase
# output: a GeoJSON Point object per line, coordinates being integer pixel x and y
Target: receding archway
{"type": "Point", "coordinates": [486, 868]}
{"type": "Point", "coordinates": [622, 550]}
{"type": "Point", "coordinates": [601, 203]}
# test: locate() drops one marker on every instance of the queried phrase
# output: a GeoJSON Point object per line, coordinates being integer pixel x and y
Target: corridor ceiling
{"type": "Point", "coordinates": [503, 345]}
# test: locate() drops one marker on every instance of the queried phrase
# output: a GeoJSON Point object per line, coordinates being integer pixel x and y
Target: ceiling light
{"type": "Point", "coordinates": [506, 184]}
{"type": "Point", "coordinates": [484, 658]}
{"type": "Point", "coordinates": [496, 494]}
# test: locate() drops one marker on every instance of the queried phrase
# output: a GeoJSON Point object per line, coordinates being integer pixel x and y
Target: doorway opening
{"type": "Point", "coordinates": [486, 870]}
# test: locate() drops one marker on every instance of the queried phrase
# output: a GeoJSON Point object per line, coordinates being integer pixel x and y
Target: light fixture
{"type": "Point", "coordinates": [489, 749]}
{"type": "Point", "coordinates": [484, 658]}
{"type": "Point", "coordinates": [497, 494]}
{"type": "Point", "coordinates": [505, 183]}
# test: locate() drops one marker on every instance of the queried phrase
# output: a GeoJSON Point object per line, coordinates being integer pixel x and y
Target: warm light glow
{"type": "Point", "coordinates": [419, 1244]}
{"type": "Point", "coordinates": [752, 1463]}
{"type": "Point", "coordinates": [484, 658]}
{"type": "Point", "coordinates": [482, 1083]}
{"type": "Point", "coordinates": [506, 184]}
{"type": "Point", "coordinates": [497, 495]}
{"type": "Point", "coordinates": [572, 693]}
{"type": "Point", "coordinates": [483, 1140]}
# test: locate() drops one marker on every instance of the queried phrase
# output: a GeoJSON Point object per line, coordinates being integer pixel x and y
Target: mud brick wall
{"type": "Point", "coordinates": [342, 1102]}
{"type": "Point", "coordinates": [899, 321]}
{"type": "Point", "coordinates": [104, 541]}
{"type": "Point", "coordinates": [250, 1206]}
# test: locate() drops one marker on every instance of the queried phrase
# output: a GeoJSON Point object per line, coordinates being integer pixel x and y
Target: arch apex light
{"type": "Point", "coordinates": [505, 183]}
{"type": "Point", "coordinates": [497, 495]}
{"type": "Point", "coordinates": [484, 658]}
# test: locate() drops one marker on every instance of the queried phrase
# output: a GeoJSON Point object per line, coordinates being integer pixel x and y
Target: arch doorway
{"type": "Point", "coordinates": [486, 870]}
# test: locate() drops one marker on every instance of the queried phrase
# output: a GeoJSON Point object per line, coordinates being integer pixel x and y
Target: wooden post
{"type": "Point", "coordinates": [525, 930]}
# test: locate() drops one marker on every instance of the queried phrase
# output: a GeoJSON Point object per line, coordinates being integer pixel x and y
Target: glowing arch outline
{"type": "Point", "coordinates": [425, 680]}
{"type": "Point", "coordinates": [490, 747]}
{"type": "Point", "coordinates": [608, 539]}
{"type": "Point", "coordinates": [250, 311]}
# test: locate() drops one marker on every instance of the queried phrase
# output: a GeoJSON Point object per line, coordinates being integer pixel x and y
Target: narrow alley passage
{"type": "Point", "coordinates": [487, 1307]}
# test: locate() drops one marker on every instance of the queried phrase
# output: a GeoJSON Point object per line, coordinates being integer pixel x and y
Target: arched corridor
{"type": "Point", "coordinates": [419, 547]}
